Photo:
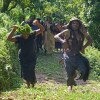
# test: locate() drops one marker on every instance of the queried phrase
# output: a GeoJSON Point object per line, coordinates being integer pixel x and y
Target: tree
{"type": "Point", "coordinates": [8, 5]}
{"type": "Point", "coordinates": [5, 5]}
{"type": "Point", "coordinates": [92, 15]}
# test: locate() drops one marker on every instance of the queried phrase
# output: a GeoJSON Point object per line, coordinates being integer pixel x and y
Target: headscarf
{"type": "Point", "coordinates": [74, 19]}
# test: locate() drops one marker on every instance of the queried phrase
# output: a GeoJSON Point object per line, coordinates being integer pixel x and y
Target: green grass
{"type": "Point", "coordinates": [55, 87]}
{"type": "Point", "coordinates": [53, 91]}
{"type": "Point", "coordinates": [49, 65]}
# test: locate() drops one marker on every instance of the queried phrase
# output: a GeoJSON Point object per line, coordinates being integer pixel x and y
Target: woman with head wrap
{"type": "Point", "coordinates": [73, 40]}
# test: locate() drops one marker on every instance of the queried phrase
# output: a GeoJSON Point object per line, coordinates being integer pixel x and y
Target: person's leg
{"type": "Point", "coordinates": [29, 73]}
{"type": "Point", "coordinates": [37, 47]}
{"type": "Point", "coordinates": [87, 66]}
{"type": "Point", "coordinates": [24, 72]}
{"type": "Point", "coordinates": [82, 69]}
{"type": "Point", "coordinates": [37, 43]}
{"type": "Point", "coordinates": [28, 84]}
{"type": "Point", "coordinates": [41, 42]}
{"type": "Point", "coordinates": [70, 88]}
{"type": "Point", "coordinates": [26, 76]}
{"type": "Point", "coordinates": [32, 72]}
{"type": "Point", "coordinates": [33, 80]}
{"type": "Point", "coordinates": [70, 75]}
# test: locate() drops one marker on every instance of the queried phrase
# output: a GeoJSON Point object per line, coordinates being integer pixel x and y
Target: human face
{"type": "Point", "coordinates": [25, 35]}
{"type": "Point", "coordinates": [75, 25]}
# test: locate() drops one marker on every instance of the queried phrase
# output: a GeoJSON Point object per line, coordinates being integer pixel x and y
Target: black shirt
{"type": "Point", "coordinates": [27, 47]}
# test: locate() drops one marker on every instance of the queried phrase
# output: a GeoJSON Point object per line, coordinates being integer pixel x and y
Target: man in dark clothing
{"type": "Point", "coordinates": [35, 27]}
{"type": "Point", "coordinates": [27, 50]}
{"type": "Point", "coordinates": [39, 39]}
{"type": "Point", "coordinates": [73, 42]}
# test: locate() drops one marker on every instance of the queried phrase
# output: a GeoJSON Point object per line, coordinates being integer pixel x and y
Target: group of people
{"type": "Point", "coordinates": [45, 41]}
{"type": "Point", "coordinates": [70, 38]}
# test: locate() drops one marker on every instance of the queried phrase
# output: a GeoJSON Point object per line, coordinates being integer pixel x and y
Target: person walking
{"type": "Point", "coordinates": [73, 41]}
{"type": "Point", "coordinates": [27, 50]}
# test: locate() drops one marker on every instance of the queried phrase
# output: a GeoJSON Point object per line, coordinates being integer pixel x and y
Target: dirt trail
{"type": "Point", "coordinates": [41, 78]}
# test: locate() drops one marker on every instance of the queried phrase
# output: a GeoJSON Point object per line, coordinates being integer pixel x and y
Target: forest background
{"type": "Point", "coordinates": [60, 11]}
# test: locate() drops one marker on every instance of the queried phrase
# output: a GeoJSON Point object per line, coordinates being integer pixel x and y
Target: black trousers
{"type": "Point", "coordinates": [28, 71]}
{"type": "Point", "coordinates": [73, 63]}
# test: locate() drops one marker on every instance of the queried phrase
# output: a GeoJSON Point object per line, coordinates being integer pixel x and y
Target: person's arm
{"type": "Point", "coordinates": [41, 28]}
{"type": "Point", "coordinates": [88, 38]}
{"type": "Point", "coordinates": [59, 38]}
{"type": "Point", "coordinates": [88, 43]}
{"type": "Point", "coordinates": [10, 36]}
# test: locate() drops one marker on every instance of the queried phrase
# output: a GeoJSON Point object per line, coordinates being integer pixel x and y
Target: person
{"type": "Point", "coordinates": [27, 50]}
{"type": "Point", "coordinates": [49, 41]}
{"type": "Point", "coordinates": [74, 45]}
{"type": "Point", "coordinates": [55, 29]}
{"type": "Point", "coordinates": [30, 22]}
{"type": "Point", "coordinates": [34, 27]}
{"type": "Point", "coordinates": [39, 39]}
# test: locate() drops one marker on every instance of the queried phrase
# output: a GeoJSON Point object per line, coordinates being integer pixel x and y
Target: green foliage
{"type": "Point", "coordinates": [51, 90]}
{"type": "Point", "coordinates": [24, 3]}
{"type": "Point", "coordinates": [0, 3]}
{"type": "Point", "coordinates": [93, 55]}
{"type": "Point", "coordinates": [87, 10]}
{"type": "Point", "coordinates": [15, 13]}
{"type": "Point", "coordinates": [92, 15]}
{"type": "Point", "coordinates": [49, 65]}
{"type": "Point", "coordinates": [13, 60]}
{"type": "Point", "coordinates": [9, 66]}
{"type": "Point", "coordinates": [5, 21]}
{"type": "Point", "coordinates": [3, 65]}
{"type": "Point", "coordinates": [7, 73]}
{"type": "Point", "coordinates": [24, 29]}
{"type": "Point", "coordinates": [95, 24]}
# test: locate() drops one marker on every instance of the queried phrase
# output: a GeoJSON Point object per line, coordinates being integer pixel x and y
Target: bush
{"type": "Point", "coordinates": [9, 74]}
{"type": "Point", "coordinates": [93, 55]}
{"type": "Point", "coordinates": [5, 21]}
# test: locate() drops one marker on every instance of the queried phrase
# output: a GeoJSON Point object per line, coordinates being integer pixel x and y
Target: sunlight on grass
{"type": "Point", "coordinates": [54, 88]}
{"type": "Point", "coordinates": [53, 91]}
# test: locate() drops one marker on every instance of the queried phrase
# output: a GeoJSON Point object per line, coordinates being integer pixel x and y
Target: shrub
{"type": "Point", "coordinates": [9, 76]}
{"type": "Point", "coordinates": [5, 21]}
{"type": "Point", "coordinates": [93, 55]}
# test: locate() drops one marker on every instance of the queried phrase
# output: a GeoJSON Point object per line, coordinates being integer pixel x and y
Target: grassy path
{"type": "Point", "coordinates": [50, 90]}
{"type": "Point", "coordinates": [51, 84]}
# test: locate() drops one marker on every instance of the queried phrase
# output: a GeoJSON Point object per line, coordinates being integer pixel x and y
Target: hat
{"type": "Point", "coordinates": [74, 19]}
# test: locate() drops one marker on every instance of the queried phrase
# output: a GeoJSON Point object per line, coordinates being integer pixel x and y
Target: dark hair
{"type": "Point", "coordinates": [32, 17]}
{"type": "Point", "coordinates": [38, 19]}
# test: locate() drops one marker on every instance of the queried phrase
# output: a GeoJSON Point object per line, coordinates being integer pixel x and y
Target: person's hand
{"type": "Point", "coordinates": [63, 41]}
{"type": "Point", "coordinates": [55, 36]}
{"type": "Point", "coordinates": [35, 22]}
{"type": "Point", "coordinates": [60, 39]}
{"type": "Point", "coordinates": [83, 50]}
